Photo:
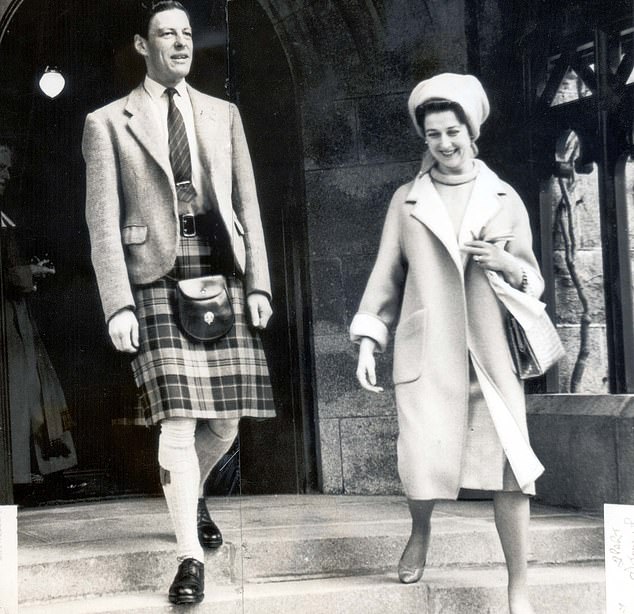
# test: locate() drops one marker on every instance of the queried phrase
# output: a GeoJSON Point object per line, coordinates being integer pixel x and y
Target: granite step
{"type": "Point", "coordinates": [121, 547]}
{"type": "Point", "coordinates": [560, 589]}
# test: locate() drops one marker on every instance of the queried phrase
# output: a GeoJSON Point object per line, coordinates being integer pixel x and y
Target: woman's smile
{"type": "Point", "coordinates": [449, 142]}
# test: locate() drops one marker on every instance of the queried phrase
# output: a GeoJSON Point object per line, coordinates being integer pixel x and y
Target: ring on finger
{"type": "Point", "coordinates": [477, 258]}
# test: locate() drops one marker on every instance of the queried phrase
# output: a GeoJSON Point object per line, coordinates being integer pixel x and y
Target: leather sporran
{"type": "Point", "coordinates": [535, 350]}
{"type": "Point", "coordinates": [204, 307]}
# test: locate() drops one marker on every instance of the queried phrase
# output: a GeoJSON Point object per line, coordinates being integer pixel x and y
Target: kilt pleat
{"type": "Point", "coordinates": [181, 377]}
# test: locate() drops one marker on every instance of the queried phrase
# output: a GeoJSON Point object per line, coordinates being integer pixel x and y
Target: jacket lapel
{"type": "Point", "coordinates": [142, 124]}
{"type": "Point", "coordinates": [430, 210]}
{"type": "Point", "coordinates": [208, 137]}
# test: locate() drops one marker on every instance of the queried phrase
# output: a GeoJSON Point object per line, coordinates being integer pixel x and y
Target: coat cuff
{"type": "Point", "coordinates": [368, 325]}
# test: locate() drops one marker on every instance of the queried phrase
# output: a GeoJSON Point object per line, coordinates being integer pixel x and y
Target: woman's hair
{"type": "Point", "coordinates": [438, 105]}
{"type": "Point", "coordinates": [149, 8]}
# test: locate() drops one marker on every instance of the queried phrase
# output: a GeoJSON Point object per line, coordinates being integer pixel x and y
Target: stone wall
{"type": "Point", "coordinates": [355, 63]}
{"type": "Point", "coordinates": [586, 443]}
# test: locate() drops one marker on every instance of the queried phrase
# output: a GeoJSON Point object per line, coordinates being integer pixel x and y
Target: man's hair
{"type": "Point", "coordinates": [149, 8]}
{"type": "Point", "coordinates": [437, 105]}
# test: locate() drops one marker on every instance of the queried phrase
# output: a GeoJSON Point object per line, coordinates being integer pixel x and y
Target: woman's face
{"type": "Point", "coordinates": [449, 142]}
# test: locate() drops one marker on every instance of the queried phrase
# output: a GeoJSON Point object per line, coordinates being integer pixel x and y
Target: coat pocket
{"type": "Point", "coordinates": [409, 342]}
{"type": "Point", "coordinates": [133, 235]}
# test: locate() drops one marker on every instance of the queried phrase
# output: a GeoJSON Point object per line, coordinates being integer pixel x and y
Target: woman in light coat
{"type": "Point", "coordinates": [451, 236]}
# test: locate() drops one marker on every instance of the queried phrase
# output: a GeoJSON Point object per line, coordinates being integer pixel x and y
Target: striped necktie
{"type": "Point", "coordinates": [180, 157]}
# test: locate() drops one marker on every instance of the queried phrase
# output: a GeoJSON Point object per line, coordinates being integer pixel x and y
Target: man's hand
{"type": "Point", "coordinates": [259, 309]}
{"type": "Point", "coordinates": [124, 331]}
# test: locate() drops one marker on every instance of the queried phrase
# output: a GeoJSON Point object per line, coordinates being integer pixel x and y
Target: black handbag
{"type": "Point", "coordinates": [535, 350]}
{"type": "Point", "coordinates": [204, 308]}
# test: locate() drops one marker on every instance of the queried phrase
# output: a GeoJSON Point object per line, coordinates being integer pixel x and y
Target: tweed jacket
{"type": "Point", "coordinates": [131, 203]}
{"type": "Point", "coordinates": [444, 315]}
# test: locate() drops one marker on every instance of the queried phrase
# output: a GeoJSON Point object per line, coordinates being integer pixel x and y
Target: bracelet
{"type": "Point", "coordinates": [524, 284]}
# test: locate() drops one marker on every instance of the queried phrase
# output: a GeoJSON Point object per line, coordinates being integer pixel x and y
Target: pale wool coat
{"type": "Point", "coordinates": [445, 314]}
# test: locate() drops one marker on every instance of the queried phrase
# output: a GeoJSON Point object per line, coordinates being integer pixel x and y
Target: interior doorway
{"type": "Point", "coordinates": [90, 43]}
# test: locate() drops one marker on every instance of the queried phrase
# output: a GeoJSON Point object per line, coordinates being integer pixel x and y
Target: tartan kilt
{"type": "Point", "coordinates": [181, 377]}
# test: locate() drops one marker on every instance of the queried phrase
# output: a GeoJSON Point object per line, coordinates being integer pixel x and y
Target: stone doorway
{"type": "Point", "coordinates": [90, 43]}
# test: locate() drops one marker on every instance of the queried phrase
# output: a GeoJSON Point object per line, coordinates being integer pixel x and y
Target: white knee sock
{"type": "Point", "coordinates": [213, 440]}
{"type": "Point", "coordinates": [180, 477]}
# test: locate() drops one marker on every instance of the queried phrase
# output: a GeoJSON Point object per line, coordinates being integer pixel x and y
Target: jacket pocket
{"type": "Point", "coordinates": [133, 234]}
{"type": "Point", "coordinates": [409, 342]}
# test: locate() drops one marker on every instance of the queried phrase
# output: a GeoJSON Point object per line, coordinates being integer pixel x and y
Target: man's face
{"type": "Point", "coordinates": [168, 48]}
{"type": "Point", "coordinates": [5, 169]}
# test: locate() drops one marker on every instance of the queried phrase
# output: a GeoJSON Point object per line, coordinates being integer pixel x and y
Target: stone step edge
{"type": "Point", "coordinates": [93, 550]}
{"type": "Point", "coordinates": [150, 569]}
{"type": "Point", "coordinates": [435, 584]}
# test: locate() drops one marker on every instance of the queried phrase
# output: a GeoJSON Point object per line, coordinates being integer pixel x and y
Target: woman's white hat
{"type": "Point", "coordinates": [465, 90]}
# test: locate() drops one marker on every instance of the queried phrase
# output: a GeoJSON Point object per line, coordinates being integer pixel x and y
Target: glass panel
{"type": "Point", "coordinates": [627, 44]}
{"type": "Point", "coordinates": [629, 203]}
{"type": "Point", "coordinates": [578, 272]}
{"type": "Point", "coordinates": [572, 86]}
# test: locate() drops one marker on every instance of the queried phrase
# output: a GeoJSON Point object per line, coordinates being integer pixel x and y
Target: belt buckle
{"type": "Point", "coordinates": [188, 225]}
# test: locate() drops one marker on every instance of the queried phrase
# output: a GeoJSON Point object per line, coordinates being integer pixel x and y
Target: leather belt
{"type": "Point", "coordinates": [210, 227]}
{"type": "Point", "coordinates": [191, 225]}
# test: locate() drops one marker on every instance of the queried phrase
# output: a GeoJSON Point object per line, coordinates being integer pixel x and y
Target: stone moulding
{"type": "Point", "coordinates": [586, 443]}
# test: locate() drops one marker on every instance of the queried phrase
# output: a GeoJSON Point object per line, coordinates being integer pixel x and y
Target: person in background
{"type": "Point", "coordinates": [170, 196]}
{"type": "Point", "coordinates": [40, 418]}
{"type": "Point", "coordinates": [450, 235]}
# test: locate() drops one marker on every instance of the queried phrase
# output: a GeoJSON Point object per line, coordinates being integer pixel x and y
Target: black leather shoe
{"type": "Point", "coordinates": [189, 583]}
{"type": "Point", "coordinates": [209, 534]}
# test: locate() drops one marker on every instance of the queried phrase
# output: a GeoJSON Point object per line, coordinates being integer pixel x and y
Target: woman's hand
{"type": "Point", "coordinates": [494, 257]}
{"type": "Point", "coordinates": [366, 367]}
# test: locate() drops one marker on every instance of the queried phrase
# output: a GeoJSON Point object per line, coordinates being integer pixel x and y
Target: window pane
{"type": "Point", "coordinates": [571, 88]}
{"type": "Point", "coordinates": [629, 202]}
{"type": "Point", "coordinates": [627, 45]}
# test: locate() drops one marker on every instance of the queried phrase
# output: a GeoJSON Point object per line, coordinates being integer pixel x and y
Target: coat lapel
{"type": "Point", "coordinates": [430, 210]}
{"type": "Point", "coordinates": [142, 124]}
{"type": "Point", "coordinates": [482, 207]}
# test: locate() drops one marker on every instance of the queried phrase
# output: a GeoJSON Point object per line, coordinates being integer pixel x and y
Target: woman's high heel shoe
{"type": "Point", "coordinates": [409, 575]}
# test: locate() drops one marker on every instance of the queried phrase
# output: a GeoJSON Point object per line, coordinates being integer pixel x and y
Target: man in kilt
{"type": "Point", "coordinates": [170, 196]}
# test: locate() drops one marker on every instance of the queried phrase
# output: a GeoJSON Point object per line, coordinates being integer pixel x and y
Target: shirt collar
{"type": "Point", "coordinates": [156, 90]}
